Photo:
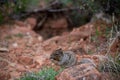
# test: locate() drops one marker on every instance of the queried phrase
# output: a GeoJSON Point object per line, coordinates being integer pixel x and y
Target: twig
{"type": "Point", "coordinates": [113, 42]}
{"type": "Point", "coordinates": [41, 22]}
{"type": "Point", "coordinates": [28, 13]}
{"type": "Point", "coordinates": [53, 10]}
{"type": "Point", "coordinates": [116, 37]}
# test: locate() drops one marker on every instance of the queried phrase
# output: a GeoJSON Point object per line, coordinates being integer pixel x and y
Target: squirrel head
{"type": "Point", "coordinates": [57, 54]}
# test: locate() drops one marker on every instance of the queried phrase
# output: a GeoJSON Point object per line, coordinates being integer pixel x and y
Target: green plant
{"type": "Point", "coordinates": [8, 37]}
{"type": "Point", "coordinates": [111, 66]}
{"type": "Point", "coordinates": [20, 6]}
{"type": "Point", "coordinates": [90, 52]}
{"type": "Point", "coordinates": [43, 74]}
{"type": "Point", "coordinates": [107, 32]}
{"type": "Point", "coordinates": [20, 35]}
{"type": "Point", "coordinates": [14, 8]}
{"type": "Point", "coordinates": [1, 17]}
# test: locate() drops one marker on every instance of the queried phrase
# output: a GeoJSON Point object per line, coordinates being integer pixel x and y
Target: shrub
{"type": "Point", "coordinates": [44, 74]}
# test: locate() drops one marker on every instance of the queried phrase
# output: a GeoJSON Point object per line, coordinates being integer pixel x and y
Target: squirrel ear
{"type": "Point", "coordinates": [60, 49]}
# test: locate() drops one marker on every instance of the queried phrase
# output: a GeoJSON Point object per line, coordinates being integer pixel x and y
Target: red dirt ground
{"type": "Point", "coordinates": [28, 51]}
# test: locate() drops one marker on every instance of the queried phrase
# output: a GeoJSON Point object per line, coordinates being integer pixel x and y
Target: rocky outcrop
{"type": "Point", "coordinates": [80, 72]}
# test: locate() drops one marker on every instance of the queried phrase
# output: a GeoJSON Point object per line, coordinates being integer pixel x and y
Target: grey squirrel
{"type": "Point", "coordinates": [68, 59]}
{"type": "Point", "coordinates": [63, 58]}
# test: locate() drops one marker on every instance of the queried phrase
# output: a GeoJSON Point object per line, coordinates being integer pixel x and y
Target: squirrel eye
{"type": "Point", "coordinates": [57, 53]}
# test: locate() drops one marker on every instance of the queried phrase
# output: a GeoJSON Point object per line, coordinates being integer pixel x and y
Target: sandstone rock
{"type": "Point", "coordinates": [25, 60]}
{"type": "Point", "coordinates": [15, 75]}
{"type": "Point", "coordinates": [39, 59]}
{"type": "Point", "coordinates": [4, 49]}
{"type": "Point", "coordinates": [40, 38]}
{"type": "Point", "coordinates": [32, 22]}
{"type": "Point", "coordinates": [80, 72]}
{"type": "Point", "coordinates": [20, 23]}
{"type": "Point", "coordinates": [15, 45]}
{"type": "Point", "coordinates": [4, 46]}
{"type": "Point", "coordinates": [20, 68]}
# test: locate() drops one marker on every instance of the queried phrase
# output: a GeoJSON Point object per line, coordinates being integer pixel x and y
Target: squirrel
{"type": "Point", "coordinates": [67, 59]}
{"type": "Point", "coordinates": [63, 58]}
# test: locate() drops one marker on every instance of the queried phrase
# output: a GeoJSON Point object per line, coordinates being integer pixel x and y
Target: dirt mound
{"type": "Point", "coordinates": [28, 51]}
